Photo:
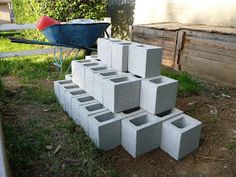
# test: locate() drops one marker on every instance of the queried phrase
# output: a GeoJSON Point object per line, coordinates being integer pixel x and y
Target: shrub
{"type": "Point", "coordinates": [29, 11]}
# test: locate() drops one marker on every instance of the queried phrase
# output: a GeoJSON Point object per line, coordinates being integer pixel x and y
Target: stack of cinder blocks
{"type": "Point", "coordinates": [119, 98]}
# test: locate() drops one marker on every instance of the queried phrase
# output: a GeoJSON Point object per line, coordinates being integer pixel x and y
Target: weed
{"type": "Point", "coordinates": [231, 145]}
{"type": "Point", "coordinates": [187, 85]}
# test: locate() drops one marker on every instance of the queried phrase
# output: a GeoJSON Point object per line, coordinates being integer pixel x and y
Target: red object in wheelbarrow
{"type": "Point", "coordinates": [45, 22]}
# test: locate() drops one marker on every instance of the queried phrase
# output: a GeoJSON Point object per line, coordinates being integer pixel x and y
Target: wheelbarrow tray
{"type": "Point", "coordinates": [83, 35]}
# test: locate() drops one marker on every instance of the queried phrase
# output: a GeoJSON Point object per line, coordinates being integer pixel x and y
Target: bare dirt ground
{"type": "Point", "coordinates": [216, 157]}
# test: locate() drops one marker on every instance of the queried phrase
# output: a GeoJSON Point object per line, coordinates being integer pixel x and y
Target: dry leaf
{"type": "Point", "coordinates": [49, 147]}
{"type": "Point", "coordinates": [226, 96]}
{"type": "Point", "coordinates": [57, 149]}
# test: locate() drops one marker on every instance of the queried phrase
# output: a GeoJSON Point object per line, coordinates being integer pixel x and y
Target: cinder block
{"type": "Point", "coordinates": [145, 60]}
{"type": "Point", "coordinates": [88, 110]}
{"type": "Point", "coordinates": [69, 96]}
{"type": "Point", "coordinates": [89, 76]}
{"type": "Point", "coordinates": [89, 57]}
{"type": "Point", "coordinates": [64, 89]}
{"type": "Point", "coordinates": [105, 129]}
{"type": "Point", "coordinates": [78, 70]}
{"type": "Point", "coordinates": [132, 112]}
{"type": "Point", "coordinates": [97, 82]}
{"type": "Point", "coordinates": [57, 84]}
{"type": "Point", "coordinates": [158, 94]}
{"type": "Point", "coordinates": [68, 77]}
{"type": "Point", "coordinates": [164, 116]}
{"type": "Point", "coordinates": [180, 136]}
{"type": "Point", "coordinates": [120, 53]}
{"type": "Point", "coordinates": [105, 49]}
{"type": "Point", "coordinates": [78, 102]}
{"type": "Point", "coordinates": [141, 133]}
{"type": "Point", "coordinates": [121, 93]}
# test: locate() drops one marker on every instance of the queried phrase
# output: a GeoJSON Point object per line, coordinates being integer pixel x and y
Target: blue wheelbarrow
{"type": "Point", "coordinates": [74, 36]}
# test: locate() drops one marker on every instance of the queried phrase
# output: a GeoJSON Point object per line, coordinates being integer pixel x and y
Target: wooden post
{"type": "Point", "coordinates": [179, 47]}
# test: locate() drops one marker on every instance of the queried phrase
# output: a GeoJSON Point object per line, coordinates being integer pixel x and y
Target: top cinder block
{"type": "Point", "coordinates": [120, 53]}
{"type": "Point", "coordinates": [145, 60]}
{"type": "Point", "coordinates": [105, 49]}
{"type": "Point", "coordinates": [91, 57]}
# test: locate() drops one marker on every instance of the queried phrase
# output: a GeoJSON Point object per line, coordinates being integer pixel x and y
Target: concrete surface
{"type": "Point", "coordinates": [158, 94]}
{"type": "Point", "coordinates": [121, 93]}
{"type": "Point", "coordinates": [141, 133]}
{"type": "Point", "coordinates": [105, 129]}
{"type": "Point", "coordinates": [180, 136]}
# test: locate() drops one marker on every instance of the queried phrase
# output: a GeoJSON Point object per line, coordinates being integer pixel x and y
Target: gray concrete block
{"type": "Point", "coordinates": [68, 77]}
{"type": "Point", "coordinates": [105, 129]}
{"type": "Point", "coordinates": [133, 112]}
{"type": "Point", "coordinates": [180, 136]}
{"type": "Point", "coordinates": [88, 110]}
{"type": "Point", "coordinates": [97, 82]}
{"type": "Point", "coordinates": [121, 93]}
{"type": "Point", "coordinates": [120, 53]}
{"type": "Point", "coordinates": [158, 94]}
{"type": "Point", "coordinates": [78, 70]}
{"type": "Point", "coordinates": [140, 133]}
{"type": "Point", "coordinates": [145, 60]}
{"type": "Point", "coordinates": [59, 83]}
{"type": "Point", "coordinates": [89, 76]}
{"type": "Point", "coordinates": [78, 102]}
{"type": "Point", "coordinates": [89, 57]}
{"type": "Point", "coordinates": [69, 96]}
{"type": "Point", "coordinates": [105, 49]}
{"type": "Point", "coordinates": [164, 116]}
{"type": "Point", "coordinates": [63, 90]}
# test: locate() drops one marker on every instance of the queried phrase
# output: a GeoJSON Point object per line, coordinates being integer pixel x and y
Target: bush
{"type": "Point", "coordinates": [29, 11]}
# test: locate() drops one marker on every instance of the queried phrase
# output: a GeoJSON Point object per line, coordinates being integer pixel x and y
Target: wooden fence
{"type": "Point", "coordinates": [205, 51]}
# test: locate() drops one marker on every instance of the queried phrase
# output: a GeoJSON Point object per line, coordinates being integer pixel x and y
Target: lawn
{"type": "Point", "coordinates": [7, 46]}
{"type": "Point", "coordinates": [42, 140]}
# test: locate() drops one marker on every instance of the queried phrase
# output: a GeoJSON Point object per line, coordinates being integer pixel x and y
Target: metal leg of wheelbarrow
{"type": "Point", "coordinates": [58, 61]}
{"type": "Point", "coordinates": [76, 54]}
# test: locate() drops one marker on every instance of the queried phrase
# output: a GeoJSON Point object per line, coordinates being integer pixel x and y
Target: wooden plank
{"type": "Point", "coordinates": [213, 50]}
{"type": "Point", "coordinates": [213, 36]}
{"type": "Point", "coordinates": [209, 56]}
{"type": "Point", "coordinates": [178, 48]}
{"type": "Point", "coordinates": [154, 32]}
{"type": "Point", "coordinates": [167, 63]}
{"type": "Point", "coordinates": [169, 55]}
{"type": "Point", "coordinates": [209, 69]}
{"type": "Point", "coordinates": [154, 41]}
{"type": "Point", "coordinates": [211, 43]}
{"type": "Point", "coordinates": [9, 27]}
{"type": "Point", "coordinates": [4, 165]}
{"type": "Point", "coordinates": [29, 52]}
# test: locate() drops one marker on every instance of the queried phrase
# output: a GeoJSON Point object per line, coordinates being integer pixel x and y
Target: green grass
{"type": "Point", "coordinates": [23, 145]}
{"type": "Point", "coordinates": [231, 145]}
{"type": "Point", "coordinates": [7, 46]}
{"type": "Point", "coordinates": [187, 84]}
